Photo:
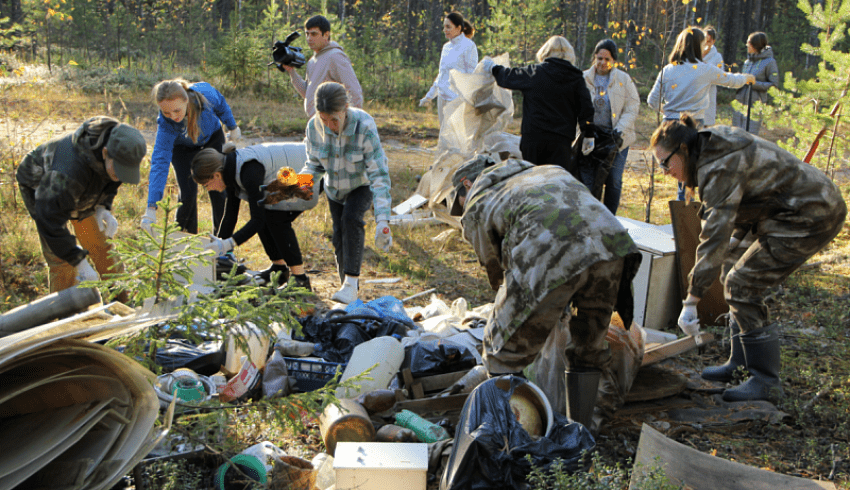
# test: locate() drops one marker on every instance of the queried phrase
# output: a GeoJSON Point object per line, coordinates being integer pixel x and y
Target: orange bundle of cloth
{"type": "Point", "coordinates": [287, 185]}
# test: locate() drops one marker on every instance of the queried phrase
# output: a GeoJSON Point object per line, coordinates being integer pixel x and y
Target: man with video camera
{"type": "Point", "coordinates": [328, 64]}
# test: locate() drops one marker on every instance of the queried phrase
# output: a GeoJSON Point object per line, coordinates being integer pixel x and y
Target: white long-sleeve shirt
{"type": "Point", "coordinates": [460, 54]}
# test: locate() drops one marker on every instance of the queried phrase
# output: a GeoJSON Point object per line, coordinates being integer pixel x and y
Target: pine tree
{"type": "Point", "coordinates": [812, 108]}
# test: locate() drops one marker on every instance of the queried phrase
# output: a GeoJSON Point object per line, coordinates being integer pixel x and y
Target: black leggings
{"type": "Point", "coordinates": [278, 237]}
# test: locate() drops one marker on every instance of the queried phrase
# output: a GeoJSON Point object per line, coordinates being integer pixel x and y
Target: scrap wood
{"type": "Point", "coordinates": [665, 351]}
{"type": "Point", "coordinates": [684, 465]}
{"type": "Point", "coordinates": [437, 404]}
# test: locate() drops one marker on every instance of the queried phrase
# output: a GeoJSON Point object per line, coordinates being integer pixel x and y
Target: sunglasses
{"type": "Point", "coordinates": [665, 164]}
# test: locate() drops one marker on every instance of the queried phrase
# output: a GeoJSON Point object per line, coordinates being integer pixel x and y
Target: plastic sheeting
{"type": "Point", "coordinates": [490, 445]}
{"type": "Point", "coordinates": [474, 122]}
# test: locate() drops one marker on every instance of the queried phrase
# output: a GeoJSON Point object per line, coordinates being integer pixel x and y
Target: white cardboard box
{"type": "Point", "coordinates": [656, 285]}
{"type": "Point", "coordinates": [381, 465]}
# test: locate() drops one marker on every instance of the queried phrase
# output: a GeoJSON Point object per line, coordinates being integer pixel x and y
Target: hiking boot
{"type": "Point", "coordinates": [282, 278]}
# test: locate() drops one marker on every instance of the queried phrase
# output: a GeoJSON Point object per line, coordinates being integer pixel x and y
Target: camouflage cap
{"type": "Point", "coordinates": [126, 147]}
{"type": "Point", "coordinates": [471, 169]}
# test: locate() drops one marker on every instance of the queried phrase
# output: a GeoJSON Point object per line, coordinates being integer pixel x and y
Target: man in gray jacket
{"type": "Point", "coordinates": [328, 64]}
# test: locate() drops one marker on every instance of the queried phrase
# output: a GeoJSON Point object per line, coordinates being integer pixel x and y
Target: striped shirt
{"type": "Point", "coordinates": [349, 160]}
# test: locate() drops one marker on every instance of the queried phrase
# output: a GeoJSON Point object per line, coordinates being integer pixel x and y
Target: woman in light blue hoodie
{"type": "Point", "coordinates": [684, 84]}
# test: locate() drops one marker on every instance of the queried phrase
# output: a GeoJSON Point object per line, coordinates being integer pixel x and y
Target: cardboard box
{"type": "Point", "coordinates": [381, 465]}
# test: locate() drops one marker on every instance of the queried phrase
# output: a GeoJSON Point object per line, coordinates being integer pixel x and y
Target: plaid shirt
{"type": "Point", "coordinates": [349, 160]}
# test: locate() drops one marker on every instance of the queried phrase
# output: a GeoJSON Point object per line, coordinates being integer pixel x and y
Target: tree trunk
{"type": "Point", "coordinates": [581, 31]}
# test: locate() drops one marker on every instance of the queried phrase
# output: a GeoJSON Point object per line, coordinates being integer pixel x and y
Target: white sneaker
{"type": "Point", "coordinates": [346, 294]}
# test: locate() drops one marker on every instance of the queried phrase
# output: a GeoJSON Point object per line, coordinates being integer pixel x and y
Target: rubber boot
{"type": "Point", "coordinates": [725, 372]}
{"type": "Point", "coordinates": [761, 351]}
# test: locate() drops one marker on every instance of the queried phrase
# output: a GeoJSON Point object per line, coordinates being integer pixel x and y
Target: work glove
{"type": "Point", "coordinates": [424, 101]}
{"type": "Point", "coordinates": [587, 146]}
{"type": "Point", "coordinates": [487, 65]}
{"type": "Point", "coordinates": [148, 219]}
{"type": "Point", "coordinates": [751, 79]}
{"type": "Point", "coordinates": [105, 221]}
{"type": "Point", "coordinates": [219, 246]}
{"type": "Point", "coordinates": [733, 243]}
{"type": "Point", "coordinates": [689, 320]}
{"type": "Point", "coordinates": [85, 272]}
{"type": "Point", "coordinates": [383, 236]}
{"type": "Point", "coordinates": [235, 134]}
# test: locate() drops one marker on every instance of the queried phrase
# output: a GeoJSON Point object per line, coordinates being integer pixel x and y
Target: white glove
{"type": "Point", "coordinates": [733, 243]}
{"type": "Point", "coordinates": [487, 65]}
{"type": "Point", "coordinates": [148, 219]}
{"type": "Point", "coordinates": [219, 246]}
{"type": "Point", "coordinates": [235, 134]}
{"type": "Point", "coordinates": [424, 101]}
{"type": "Point", "coordinates": [587, 146]}
{"type": "Point", "coordinates": [105, 221]}
{"type": "Point", "coordinates": [383, 236]}
{"type": "Point", "coordinates": [85, 272]}
{"type": "Point", "coordinates": [689, 320]}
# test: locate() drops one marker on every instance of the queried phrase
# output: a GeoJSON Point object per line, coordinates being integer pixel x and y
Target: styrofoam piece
{"type": "Point", "coordinates": [381, 465]}
{"type": "Point", "coordinates": [413, 202]}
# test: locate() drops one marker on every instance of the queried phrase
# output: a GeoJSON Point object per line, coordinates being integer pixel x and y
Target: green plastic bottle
{"type": "Point", "coordinates": [424, 430]}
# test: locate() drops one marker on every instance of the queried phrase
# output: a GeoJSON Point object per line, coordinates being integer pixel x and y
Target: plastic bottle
{"type": "Point", "coordinates": [424, 430]}
{"type": "Point", "coordinates": [266, 452]}
{"type": "Point", "coordinates": [295, 348]}
{"type": "Point", "coordinates": [385, 353]}
{"type": "Point", "coordinates": [325, 473]}
{"type": "Point", "coordinates": [258, 346]}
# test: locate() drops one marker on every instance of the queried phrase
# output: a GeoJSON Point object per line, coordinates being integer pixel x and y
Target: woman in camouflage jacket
{"type": "Point", "coordinates": [747, 184]}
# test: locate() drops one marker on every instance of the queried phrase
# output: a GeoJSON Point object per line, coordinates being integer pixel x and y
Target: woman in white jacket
{"type": "Point", "coordinates": [460, 53]}
{"type": "Point", "coordinates": [615, 103]}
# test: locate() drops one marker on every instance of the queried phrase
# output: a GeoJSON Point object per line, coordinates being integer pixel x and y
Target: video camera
{"type": "Point", "coordinates": [284, 54]}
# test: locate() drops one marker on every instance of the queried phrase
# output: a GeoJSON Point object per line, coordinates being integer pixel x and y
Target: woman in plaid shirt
{"type": "Point", "coordinates": [343, 146]}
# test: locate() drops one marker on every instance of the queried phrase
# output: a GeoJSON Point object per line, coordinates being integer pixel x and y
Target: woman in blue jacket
{"type": "Point", "coordinates": [189, 120]}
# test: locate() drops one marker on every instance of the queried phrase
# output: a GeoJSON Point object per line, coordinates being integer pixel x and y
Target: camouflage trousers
{"type": "Point", "coordinates": [592, 294]}
{"type": "Point", "coordinates": [61, 274]}
{"type": "Point", "coordinates": [764, 264]}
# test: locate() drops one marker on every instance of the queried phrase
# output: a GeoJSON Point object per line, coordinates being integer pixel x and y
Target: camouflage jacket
{"type": "Point", "coordinates": [749, 184]}
{"type": "Point", "coordinates": [66, 181]}
{"type": "Point", "coordinates": [534, 228]}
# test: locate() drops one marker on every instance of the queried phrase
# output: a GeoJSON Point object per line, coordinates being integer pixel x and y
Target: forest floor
{"type": "Point", "coordinates": [807, 435]}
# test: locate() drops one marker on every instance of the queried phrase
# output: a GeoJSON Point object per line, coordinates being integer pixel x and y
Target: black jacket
{"type": "Point", "coordinates": [65, 179]}
{"type": "Point", "coordinates": [554, 97]}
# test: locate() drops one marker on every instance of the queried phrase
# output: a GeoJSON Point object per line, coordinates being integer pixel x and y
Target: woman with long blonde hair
{"type": "Point", "coordinates": [190, 119]}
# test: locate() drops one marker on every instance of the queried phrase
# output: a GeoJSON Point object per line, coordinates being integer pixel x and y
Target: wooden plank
{"type": "Point", "coordinates": [670, 349]}
{"type": "Point", "coordinates": [435, 404]}
{"type": "Point", "coordinates": [686, 466]}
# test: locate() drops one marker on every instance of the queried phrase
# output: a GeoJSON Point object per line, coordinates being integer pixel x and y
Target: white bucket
{"type": "Point", "coordinates": [386, 352]}
{"type": "Point", "coordinates": [258, 345]}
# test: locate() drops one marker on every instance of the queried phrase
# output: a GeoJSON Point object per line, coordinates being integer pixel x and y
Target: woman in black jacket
{"type": "Point", "coordinates": [554, 99]}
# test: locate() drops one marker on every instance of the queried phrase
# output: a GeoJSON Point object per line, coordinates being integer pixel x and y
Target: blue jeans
{"type": "Point", "coordinates": [348, 226]}
{"type": "Point", "coordinates": [613, 183]}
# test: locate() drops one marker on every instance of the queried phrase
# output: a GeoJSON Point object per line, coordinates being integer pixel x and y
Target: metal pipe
{"type": "Point", "coordinates": [48, 308]}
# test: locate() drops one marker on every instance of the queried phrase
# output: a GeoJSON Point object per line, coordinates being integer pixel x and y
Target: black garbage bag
{"type": "Point", "coordinates": [339, 333]}
{"type": "Point", "coordinates": [205, 358]}
{"type": "Point", "coordinates": [490, 445]}
{"type": "Point", "coordinates": [599, 162]}
{"type": "Point", "coordinates": [439, 356]}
